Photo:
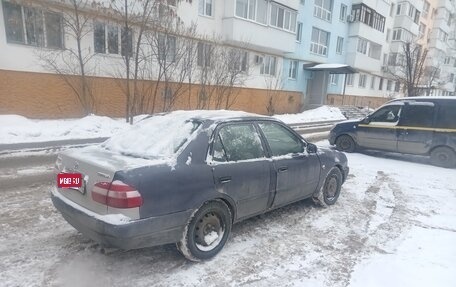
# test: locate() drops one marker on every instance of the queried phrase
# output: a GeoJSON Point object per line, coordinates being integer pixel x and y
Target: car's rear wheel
{"type": "Point", "coordinates": [345, 143]}
{"type": "Point", "coordinates": [207, 232]}
{"type": "Point", "coordinates": [443, 156]}
{"type": "Point", "coordinates": [330, 191]}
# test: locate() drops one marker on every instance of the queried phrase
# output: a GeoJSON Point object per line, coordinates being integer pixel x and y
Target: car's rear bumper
{"type": "Point", "coordinates": [130, 235]}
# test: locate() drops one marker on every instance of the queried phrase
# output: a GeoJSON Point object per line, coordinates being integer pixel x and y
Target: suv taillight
{"type": "Point", "coordinates": [116, 194]}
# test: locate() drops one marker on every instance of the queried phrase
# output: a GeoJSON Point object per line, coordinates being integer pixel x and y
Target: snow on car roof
{"type": "Point", "coordinates": [165, 135]}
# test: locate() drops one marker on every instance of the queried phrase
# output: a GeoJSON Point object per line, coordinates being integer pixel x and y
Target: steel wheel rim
{"type": "Point", "coordinates": [331, 188]}
{"type": "Point", "coordinates": [209, 231]}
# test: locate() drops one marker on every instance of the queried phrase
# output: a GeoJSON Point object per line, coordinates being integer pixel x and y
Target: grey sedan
{"type": "Point", "coordinates": [185, 177]}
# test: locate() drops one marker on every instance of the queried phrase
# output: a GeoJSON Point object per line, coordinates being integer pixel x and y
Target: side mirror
{"type": "Point", "coordinates": [311, 148]}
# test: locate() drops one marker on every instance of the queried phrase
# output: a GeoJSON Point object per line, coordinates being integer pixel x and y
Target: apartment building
{"type": "Point", "coordinates": [295, 53]}
{"type": "Point", "coordinates": [263, 31]}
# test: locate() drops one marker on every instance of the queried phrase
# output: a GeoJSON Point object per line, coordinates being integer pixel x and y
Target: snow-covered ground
{"type": "Point", "coordinates": [393, 225]}
{"type": "Point", "coordinates": [18, 129]}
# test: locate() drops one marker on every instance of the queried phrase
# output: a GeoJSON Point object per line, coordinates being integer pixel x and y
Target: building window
{"type": "Point", "coordinates": [99, 37]}
{"type": "Point", "coordinates": [239, 60]}
{"type": "Point", "coordinates": [293, 70]}
{"type": "Point", "coordinates": [42, 28]}
{"type": "Point", "coordinates": [397, 86]}
{"type": "Point", "coordinates": [422, 30]}
{"type": "Point", "coordinates": [372, 85]}
{"type": "Point", "coordinates": [283, 18]}
{"type": "Point", "coordinates": [323, 9]}
{"type": "Point", "coordinates": [362, 46]}
{"type": "Point", "coordinates": [107, 36]}
{"type": "Point", "coordinates": [426, 6]}
{"type": "Point", "coordinates": [388, 34]}
{"type": "Point", "coordinates": [362, 81]}
{"type": "Point", "coordinates": [299, 32]}
{"type": "Point", "coordinates": [400, 34]}
{"type": "Point", "coordinates": [389, 85]}
{"type": "Point", "coordinates": [256, 10]}
{"type": "Point", "coordinates": [113, 39]}
{"type": "Point", "coordinates": [343, 12]}
{"type": "Point", "coordinates": [447, 60]}
{"type": "Point", "coordinates": [442, 35]}
{"type": "Point", "coordinates": [340, 45]}
{"type": "Point", "coordinates": [368, 16]}
{"type": "Point", "coordinates": [350, 79]}
{"type": "Point", "coordinates": [380, 84]}
{"type": "Point", "coordinates": [334, 79]}
{"type": "Point", "coordinates": [319, 42]}
{"type": "Point", "coordinates": [204, 52]}
{"type": "Point", "coordinates": [269, 66]}
{"type": "Point", "coordinates": [166, 48]}
{"type": "Point", "coordinates": [205, 7]}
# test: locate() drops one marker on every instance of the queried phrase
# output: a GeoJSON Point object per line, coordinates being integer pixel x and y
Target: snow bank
{"type": "Point", "coordinates": [323, 113]}
{"type": "Point", "coordinates": [18, 129]}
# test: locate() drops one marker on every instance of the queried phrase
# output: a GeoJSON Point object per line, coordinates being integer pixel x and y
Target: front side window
{"type": "Point", "coordinates": [281, 141]}
{"type": "Point", "coordinates": [205, 7]}
{"type": "Point", "coordinates": [237, 142]}
{"type": "Point", "coordinates": [388, 114]}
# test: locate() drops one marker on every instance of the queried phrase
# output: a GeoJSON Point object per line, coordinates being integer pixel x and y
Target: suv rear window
{"type": "Point", "coordinates": [446, 117]}
{"type": "Point", "coordinates": [417, 115]}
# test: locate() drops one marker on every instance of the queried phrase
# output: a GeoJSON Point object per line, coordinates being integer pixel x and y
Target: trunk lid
{"type": "Point", "coordinates": [96, 164]}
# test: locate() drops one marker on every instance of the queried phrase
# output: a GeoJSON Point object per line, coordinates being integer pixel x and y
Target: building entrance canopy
{"type": "Point", "coordinates": [332, 68]}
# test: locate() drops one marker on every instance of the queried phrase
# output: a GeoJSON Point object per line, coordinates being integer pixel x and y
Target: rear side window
{"type": "Point", "coordinates": [417, 116]}
{"type": "Point", "coordinates": [446, 117]}
{"type": "Point", "coordinates": [280, 140]}
{"type": "Point", "coordinates": [237, 142]}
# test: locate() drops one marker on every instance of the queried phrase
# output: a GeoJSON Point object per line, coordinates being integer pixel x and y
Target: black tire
{"type": "Point", "coordinates": [213, 218]}
{"type": "Point", "coordinates": [330, 191]}
{"type": "Point", "coordinates": [345, 143]}
{"type": "Point", "coordinates": [443, 156]}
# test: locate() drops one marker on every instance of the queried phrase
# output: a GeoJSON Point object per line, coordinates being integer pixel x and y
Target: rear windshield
{"type": "Point", "coordinates": [159, 136]}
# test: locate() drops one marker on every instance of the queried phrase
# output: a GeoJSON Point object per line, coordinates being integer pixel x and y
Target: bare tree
{"type": "Point", "coordinates": [136, 17]}
{"type": "Point", "coordinates": [408, 67]}
{"type": "Point", "coordinates": [222, 70]}
{"type": "Point", "coordinates": [72, 64]}
{"type": "Point", "coordinates": [274, 85]}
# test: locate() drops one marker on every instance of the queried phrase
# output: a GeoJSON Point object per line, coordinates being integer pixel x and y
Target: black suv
{"type": "Point", "coordinates": [415, 125]}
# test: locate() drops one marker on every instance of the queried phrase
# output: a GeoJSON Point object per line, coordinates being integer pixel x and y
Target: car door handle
{"type": "Point", "coordinates": [283, 168]}
{"type": "Point", "coordinates": [224, 179]}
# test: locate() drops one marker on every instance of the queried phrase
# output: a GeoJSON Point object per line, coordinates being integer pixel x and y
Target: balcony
{"type": "Point", "coordinates": [445, 3]}
{"type": "Point", "coordinates": [360, 29]}
{"type": "Point", "coordinates": [405, 22]}
{"type": "Point", "coordinates": [258, 36]}
{"type": "Point", "coordinates": [363, 62]}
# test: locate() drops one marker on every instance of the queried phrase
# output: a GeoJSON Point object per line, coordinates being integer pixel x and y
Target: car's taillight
{"type": "Point", "coordinates": [116, 194]}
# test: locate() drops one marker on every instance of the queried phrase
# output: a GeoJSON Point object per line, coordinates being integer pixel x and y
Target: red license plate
{"type": "Point", "coordinates": [69, 180]}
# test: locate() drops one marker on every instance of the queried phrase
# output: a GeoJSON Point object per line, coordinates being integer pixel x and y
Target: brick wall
{"type": "Point", "coordinates": [40, 95]}
{"type": "Point", "coordinates": [358, 101]}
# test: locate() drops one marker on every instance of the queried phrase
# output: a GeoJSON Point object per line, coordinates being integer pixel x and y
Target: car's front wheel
{"type": "Point", "coordinates": [330, 191]}
{"type": "Point", "coordinates": [345, 143]}
{"type": "Point", "coordinates": [207, 232]}
{"type": "Point", "coordinates": [443, 156]}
